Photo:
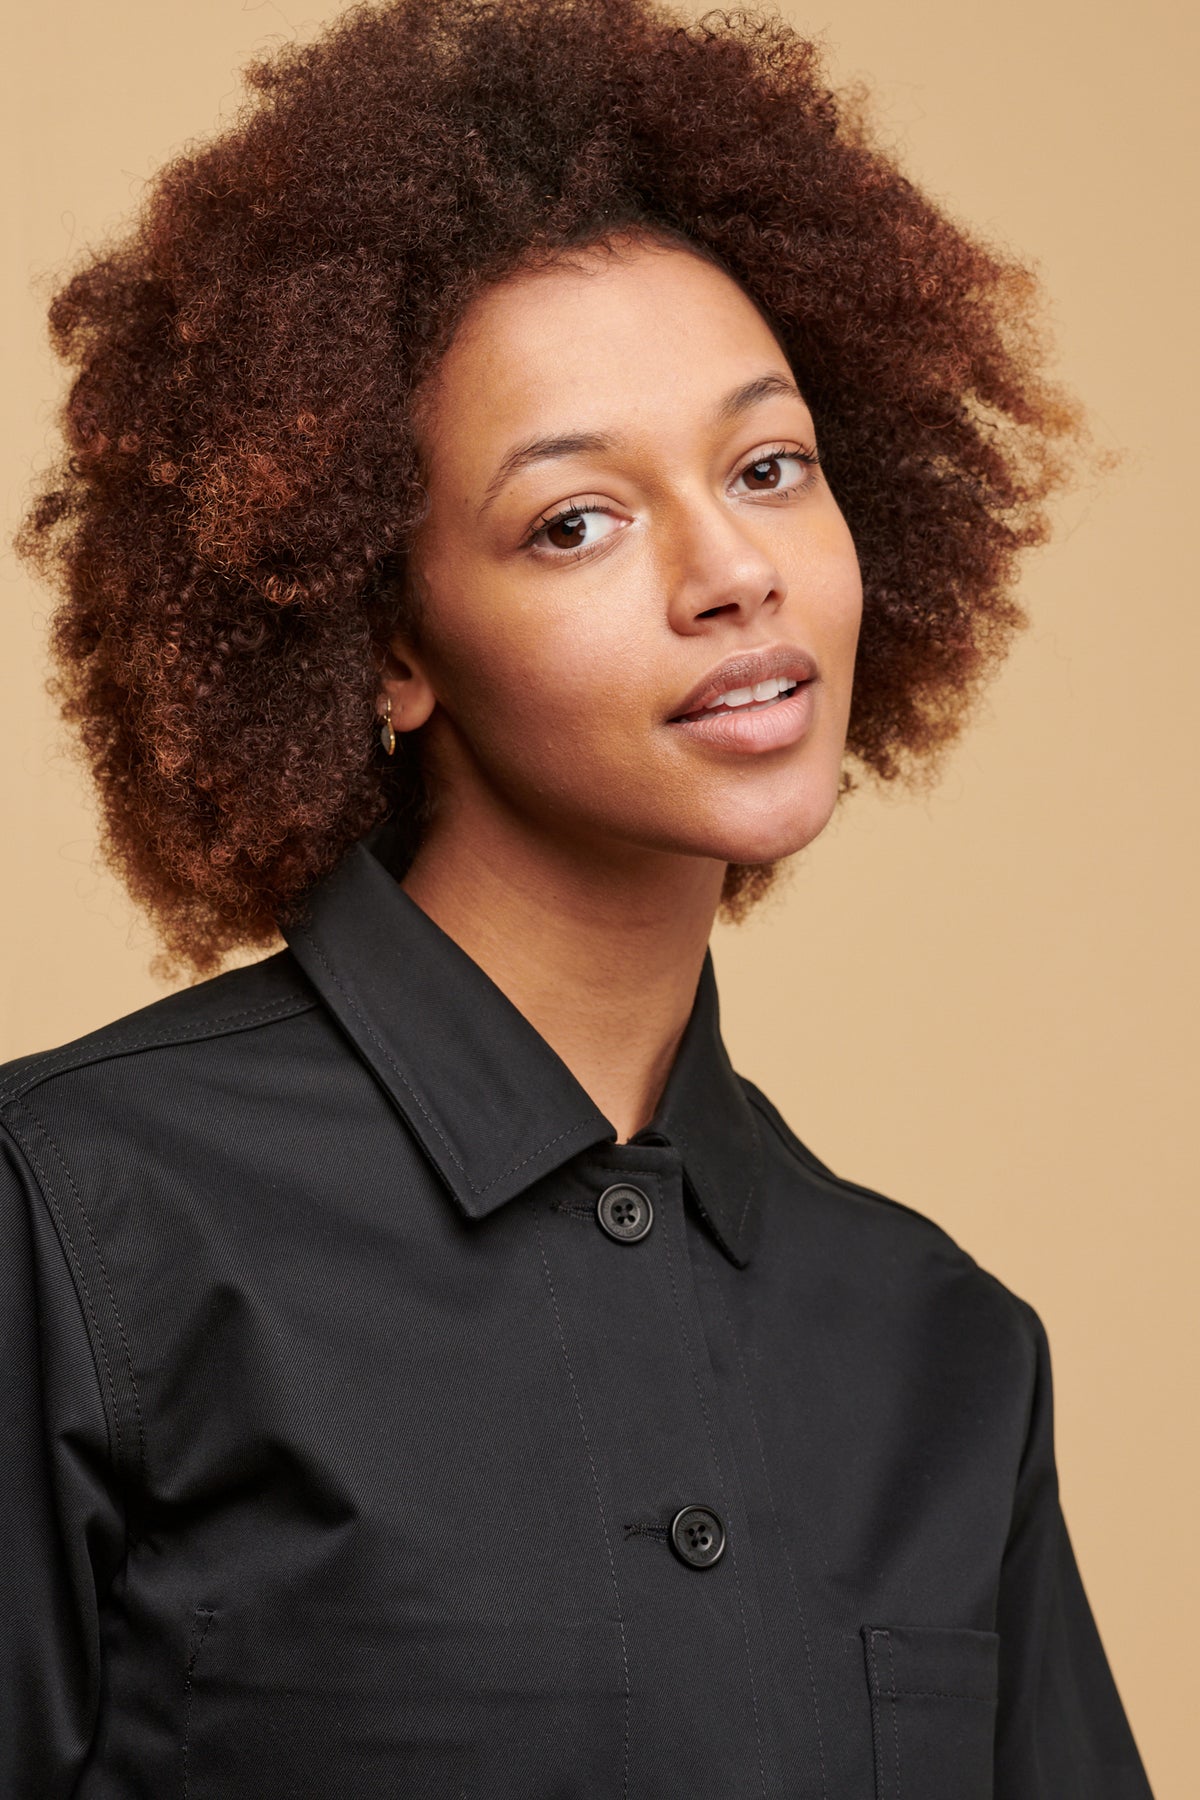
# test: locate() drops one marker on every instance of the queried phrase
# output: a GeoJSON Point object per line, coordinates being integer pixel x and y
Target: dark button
{"type": "Point", "coordinates": [697, 1536]}
{"type": "Point", "coordinates": [625, 1212]}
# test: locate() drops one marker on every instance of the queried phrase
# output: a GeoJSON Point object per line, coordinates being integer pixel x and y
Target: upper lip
{"type": "Point", "coordinates": [744, 671]}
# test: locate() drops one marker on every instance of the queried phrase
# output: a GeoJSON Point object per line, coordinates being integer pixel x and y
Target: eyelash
{"type": "Point", "coordinates": [807, 454]}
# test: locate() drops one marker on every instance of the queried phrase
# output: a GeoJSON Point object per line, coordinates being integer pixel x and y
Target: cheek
{"type": "Point", "coordinates": [846, 627]}
{"type": "Point", "coordinates": [833, 603]}
{"type": "Point", "coordinates": [539, 689]}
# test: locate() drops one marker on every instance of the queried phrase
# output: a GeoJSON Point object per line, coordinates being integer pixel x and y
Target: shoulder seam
{"type": "Point", "coordinates": [77, 1055]}
{"type": "Point", "coordinates": [786, 1136]}
{"type": "Point", "coordinates": [102, 1364]}
{"type": "Point", "coordinates": [1027, 1315]}
{"type": "Point", "coordinates": [791, 1142]}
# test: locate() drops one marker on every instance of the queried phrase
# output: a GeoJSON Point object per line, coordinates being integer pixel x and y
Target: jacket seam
{"type": "Point", "coordinates": [720, 1474]}
{"type": "Point", "coordinates": [812, 1680]}
{"type": "Point", "coordinates": [108, 1286]}
{"type": "Point", "coordinates": [198, 1634]}
{"type": "Point", "coordinates": [887, 1638]}
{"type": "Point", "coordinates": [75, 1056]}
{"type": "Point", "coordinates": [870, 1636]}
{"type": "Point", "coordinates": [83, 1300]}
{"type": "Point", "coordinates": [562, 1339]}
{"type": "Point", "coordinates": [816, 1167]}
{"type": "Point", "coordinates": [783, 1132]}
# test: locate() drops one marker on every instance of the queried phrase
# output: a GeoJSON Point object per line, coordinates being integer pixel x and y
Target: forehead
{"type": "Point", "coordinates": [605, 341]}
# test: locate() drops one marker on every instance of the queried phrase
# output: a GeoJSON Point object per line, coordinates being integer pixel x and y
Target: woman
{"type": "Point", "coordinates": [508, 473]}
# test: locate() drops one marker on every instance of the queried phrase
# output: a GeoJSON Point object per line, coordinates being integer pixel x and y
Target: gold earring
{"type": "Point", "coordinates": [387, 735]}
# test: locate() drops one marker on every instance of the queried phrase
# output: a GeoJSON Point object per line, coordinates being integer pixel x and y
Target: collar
{"type": "Point", "coordinates": [494, 1107]}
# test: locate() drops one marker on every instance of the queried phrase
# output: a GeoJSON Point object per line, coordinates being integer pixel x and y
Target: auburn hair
{"type": "Point", "coordinates": [227, 524]}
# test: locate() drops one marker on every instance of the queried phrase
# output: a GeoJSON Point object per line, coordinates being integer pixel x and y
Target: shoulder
{"type": "Point", "coordinates": [111, 1171]}
{"type": "Point", "coordinates": [128, 1142]}
{"type": "Point", "coordinates": [165, 1037]}
{"type": "Point", "coordinates": [901, 1258]}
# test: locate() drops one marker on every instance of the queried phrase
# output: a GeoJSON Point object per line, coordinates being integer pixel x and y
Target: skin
{"type": "Point", "coordinates": [580, 840]}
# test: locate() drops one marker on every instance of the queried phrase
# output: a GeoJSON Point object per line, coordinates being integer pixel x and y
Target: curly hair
{"type": "Point", "coordinates": [227, 524]}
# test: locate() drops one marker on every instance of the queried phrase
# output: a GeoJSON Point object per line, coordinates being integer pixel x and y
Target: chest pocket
{"type": "Point", "coordinates": [933, 1710]}
{"type": "Point", "coordinates": [354, 1701]}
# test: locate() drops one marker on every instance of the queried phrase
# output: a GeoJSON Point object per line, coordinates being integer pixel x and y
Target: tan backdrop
{"type": "Point", "coordinates": [982, 1003]}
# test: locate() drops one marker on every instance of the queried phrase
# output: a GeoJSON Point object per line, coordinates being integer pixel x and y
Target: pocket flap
{"type": "Point", "coordinates": [933, 1710]}
{"type": "Point", "coordinates": [948, 1662]}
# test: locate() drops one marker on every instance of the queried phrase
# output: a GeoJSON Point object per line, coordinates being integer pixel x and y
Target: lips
{"type": "Point", "coordinates": [783, 661]}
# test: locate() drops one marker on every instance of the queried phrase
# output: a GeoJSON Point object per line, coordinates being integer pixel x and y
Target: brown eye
{"type": "Point", "coordinates": [571, 526]}
{"type": "Point", "coordinates": [765, 469]}
{"type": "Point", "coordinates": [573, 532]}
{"type": "Point", "coordinates": [767, 475]}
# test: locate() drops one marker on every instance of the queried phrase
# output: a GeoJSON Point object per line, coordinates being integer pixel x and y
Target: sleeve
{"type": "Point", "coordinates": [62, 1535]}
{"type": "Point", "coordinates": [1061, 1729]}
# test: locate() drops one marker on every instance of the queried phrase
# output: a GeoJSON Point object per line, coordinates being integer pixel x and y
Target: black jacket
{"type": "Point", "coordinates": [376, 1426]}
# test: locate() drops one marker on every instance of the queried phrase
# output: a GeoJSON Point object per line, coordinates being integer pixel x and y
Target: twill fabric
{"type": "Point", "coordinates": [376, 1425]}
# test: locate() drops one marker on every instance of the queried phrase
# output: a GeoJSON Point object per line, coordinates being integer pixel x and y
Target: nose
{"type": "Point", "coordinates": [717, 569]}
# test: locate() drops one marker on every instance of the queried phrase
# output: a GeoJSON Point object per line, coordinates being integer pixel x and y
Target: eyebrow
{"type": "Point", "coordinates": [575, 443]}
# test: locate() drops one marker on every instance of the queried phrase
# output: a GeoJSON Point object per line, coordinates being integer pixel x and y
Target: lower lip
{"type": "Point", "coordinates": [752, 729]}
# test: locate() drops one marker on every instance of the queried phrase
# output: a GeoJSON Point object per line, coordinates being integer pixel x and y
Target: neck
{"type": "Point", "coordinates": [602, 956]}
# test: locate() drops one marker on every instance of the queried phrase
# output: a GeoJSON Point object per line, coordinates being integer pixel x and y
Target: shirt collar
{"type": "Point", "coordinates": [493, 1105]}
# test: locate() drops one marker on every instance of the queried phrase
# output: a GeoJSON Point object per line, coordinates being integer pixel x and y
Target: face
{"type": "Point", "coordinates": [625, 524]}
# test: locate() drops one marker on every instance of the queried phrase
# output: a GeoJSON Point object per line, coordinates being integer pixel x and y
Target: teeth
{"type": "Point", "coordinates": [762, 690]}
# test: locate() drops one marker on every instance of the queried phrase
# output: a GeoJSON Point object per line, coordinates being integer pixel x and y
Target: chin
{"type": "Point", "coordinates": [772, 835]}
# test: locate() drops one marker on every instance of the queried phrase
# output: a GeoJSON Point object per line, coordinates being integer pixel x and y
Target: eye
{"type": "Point", "coordinates": [768, 477]}
{"type": "Point", "coordinates": [574, 530]}
{"type": "Point", "coordinates": [569, 532]}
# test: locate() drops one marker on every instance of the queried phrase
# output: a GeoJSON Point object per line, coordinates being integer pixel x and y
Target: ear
{"type": "Point", "coordinates": [402, 677]}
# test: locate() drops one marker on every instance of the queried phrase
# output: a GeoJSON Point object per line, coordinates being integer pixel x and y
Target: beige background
{"type": "Point", "coordinates": [982, 1003]}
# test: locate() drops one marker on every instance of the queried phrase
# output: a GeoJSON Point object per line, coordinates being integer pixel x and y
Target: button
{"type": "Point", "coordinates": [625, 1212]}
{"type": "Point", "coordinates": [697, 1536]}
